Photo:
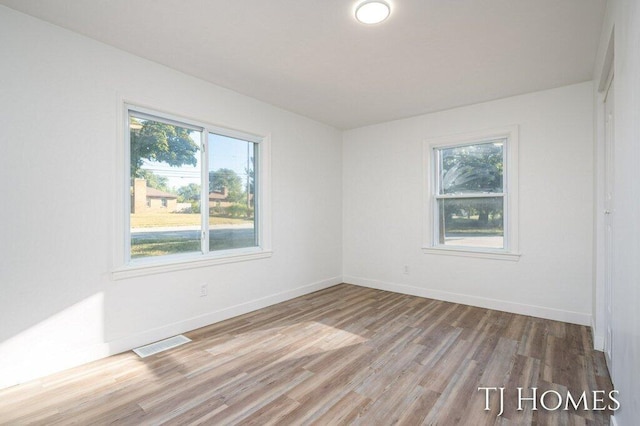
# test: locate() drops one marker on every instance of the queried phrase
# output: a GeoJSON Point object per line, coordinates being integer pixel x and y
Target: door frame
{"type": "Point", "coordinates": [599, 309]}
{"type": "Point", "coordinates": [608, 218]}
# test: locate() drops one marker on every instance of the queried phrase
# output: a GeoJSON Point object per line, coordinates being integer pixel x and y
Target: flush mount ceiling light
{"type": "Point", "coordinates": [372, 12]}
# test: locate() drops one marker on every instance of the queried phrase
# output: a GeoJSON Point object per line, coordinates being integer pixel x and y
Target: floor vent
{"type": "Point", "coordinates": [162, 345]}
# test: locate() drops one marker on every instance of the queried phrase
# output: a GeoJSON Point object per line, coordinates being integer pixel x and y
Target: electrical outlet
{"type": "Point", "coordinates": [203, 290]}
{"type": "Point", "coordinates": [405, 270]}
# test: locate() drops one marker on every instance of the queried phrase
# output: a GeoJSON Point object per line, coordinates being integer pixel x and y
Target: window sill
{"type": "Point", "coordinates": [480, 254]}
{"type": "Point", "coordinates": [177, 263]}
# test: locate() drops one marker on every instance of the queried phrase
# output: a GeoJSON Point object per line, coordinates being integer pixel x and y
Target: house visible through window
{"type": "Point", "coordinates": [193, 188]}
{"type": "Point", "coordinates": [472, 193]}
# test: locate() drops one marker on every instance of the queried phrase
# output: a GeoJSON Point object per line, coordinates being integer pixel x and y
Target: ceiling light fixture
{"type": "Point", "coordinates": [372, 12]}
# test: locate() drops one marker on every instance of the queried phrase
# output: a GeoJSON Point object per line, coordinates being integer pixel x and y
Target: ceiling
{"type": "Point", "coordinates": [313, 58]}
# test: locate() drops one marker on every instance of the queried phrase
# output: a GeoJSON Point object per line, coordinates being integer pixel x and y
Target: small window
{"type": "Point", "coordinates": [472, 194]}
{"type": "Point", "coordinates": [195, 191]}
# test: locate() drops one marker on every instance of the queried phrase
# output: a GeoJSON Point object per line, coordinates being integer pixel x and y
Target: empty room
{"type": "Point", "coordinates": [320, 212]}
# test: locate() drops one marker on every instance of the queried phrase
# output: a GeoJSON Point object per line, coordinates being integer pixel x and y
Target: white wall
{"type": "Point", "coordinates": [59, 167]}
{"type": "Point", "coordinates": [59, 307]}
{"type": "Point", "coordinates": [382, 207]}
{"type": "Point", "coordinates": [623, 20]}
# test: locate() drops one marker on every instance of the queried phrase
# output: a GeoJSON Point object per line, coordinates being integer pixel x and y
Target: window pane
{"type": "Point", "coordinates": [472, 169]}
{"type": "Point", "coordinates": [471, 222]}
{"type": "Point", "coordinates": [232, 222]}
{"type": "Point", "coordinates": [165, 188]}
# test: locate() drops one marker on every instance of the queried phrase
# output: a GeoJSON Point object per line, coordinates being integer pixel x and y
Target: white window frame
{"type": "Point", "coordinates": [125, 267]}
{"type": "Point", "coordinates": [510, 251]}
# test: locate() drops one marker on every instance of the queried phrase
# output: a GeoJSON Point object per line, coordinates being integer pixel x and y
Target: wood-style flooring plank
{"type": "Point", "coordinates": [344, 355]}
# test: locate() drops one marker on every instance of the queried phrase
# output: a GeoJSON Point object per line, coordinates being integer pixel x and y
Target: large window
{"type": "Point", "coordinates": [473, 192]}
{"type": "Point", "coordinates": [194, 190]}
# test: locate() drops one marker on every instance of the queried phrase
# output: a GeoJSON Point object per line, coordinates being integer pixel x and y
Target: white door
{"type": "Point", "coordinates": [608, 222]}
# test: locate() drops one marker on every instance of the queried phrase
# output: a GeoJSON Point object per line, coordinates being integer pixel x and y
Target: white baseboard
{"type": "Point", "coordinates": [150, 336]}
{"type": "Point", "coordinates": [598, 339]}
{"type": "Point", "coordinates": [82, 356]}
{"type": "Point", "coordinates": [12, 374]}
{"type": "Point", "coordinates": [598, 342]}
{"type": "Point", "coordinates": [482, 302]}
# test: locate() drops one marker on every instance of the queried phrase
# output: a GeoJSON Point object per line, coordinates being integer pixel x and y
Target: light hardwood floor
{"type": "Point", "coordinates": [344, 355]}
